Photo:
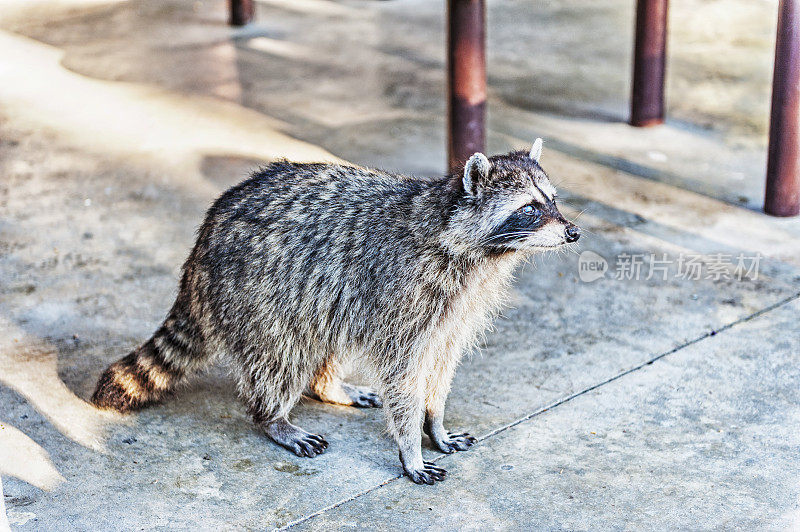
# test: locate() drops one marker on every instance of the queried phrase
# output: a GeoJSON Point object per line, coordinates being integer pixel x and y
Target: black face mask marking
{"type": "Point", "coordinates": [521, 224]}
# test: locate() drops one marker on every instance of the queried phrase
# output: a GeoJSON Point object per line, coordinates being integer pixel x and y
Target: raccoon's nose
{"type": "Point", "coordinates": [572, 234]}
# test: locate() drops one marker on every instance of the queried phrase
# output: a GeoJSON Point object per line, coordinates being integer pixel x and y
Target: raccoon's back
{"type": "Point", "coordinates": [320, 251]}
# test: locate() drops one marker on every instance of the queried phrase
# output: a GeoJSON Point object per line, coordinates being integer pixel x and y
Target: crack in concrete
{"type": "Point", "coordinates": [557, 403]}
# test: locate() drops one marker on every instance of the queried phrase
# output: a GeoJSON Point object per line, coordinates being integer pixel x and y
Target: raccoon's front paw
{"type": "Point", "coordinates": [445, 441]}
{"type": "Point", "coordinates": [427, 475]}
{"type": "Point", "coordinates": [455, 442]}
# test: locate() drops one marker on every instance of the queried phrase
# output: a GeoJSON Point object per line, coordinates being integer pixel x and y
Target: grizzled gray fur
{"type": "Point", "coordinates": [305, 268]}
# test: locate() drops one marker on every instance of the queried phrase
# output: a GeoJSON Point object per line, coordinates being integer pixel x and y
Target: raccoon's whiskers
{"type": "Point", "coordinates": [492, 238]}
{"type": "Point", "coordinates": [579, 214]}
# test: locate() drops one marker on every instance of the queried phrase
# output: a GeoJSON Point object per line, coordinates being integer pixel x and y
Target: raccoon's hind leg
{"type": "Point", "coordinates": [271, 385]}
{"type": "Point", "coordinates": [327, 386]}
{"type": "Point", "coordinates": [295, 439]}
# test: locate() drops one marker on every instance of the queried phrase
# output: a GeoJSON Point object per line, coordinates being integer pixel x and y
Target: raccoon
{"type": "Point", "coordinates": [303, 269]}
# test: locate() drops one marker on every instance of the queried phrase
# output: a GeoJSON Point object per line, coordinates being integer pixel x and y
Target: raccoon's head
{"type": "Point", "coordinates": [508, 204]}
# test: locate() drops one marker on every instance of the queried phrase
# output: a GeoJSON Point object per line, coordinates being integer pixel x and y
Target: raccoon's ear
{"type": "Point", "coordinates": [536, 150]}
{"type": "Point", "coordinates": [475, 171]}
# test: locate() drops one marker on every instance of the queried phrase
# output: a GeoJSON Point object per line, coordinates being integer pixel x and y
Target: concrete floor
{"type": "Point", "coordinates": [611, 404]}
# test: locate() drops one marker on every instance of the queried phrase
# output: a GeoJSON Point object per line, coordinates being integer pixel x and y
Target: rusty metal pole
{"type": "Point", "coordinates": [783, 164]}
{"type": "Point", "coordinates": [649, 63]}
{"type": "Point", "coordinates": [241, 12]}
{"type": "Point", "coordinates": [466, 79]}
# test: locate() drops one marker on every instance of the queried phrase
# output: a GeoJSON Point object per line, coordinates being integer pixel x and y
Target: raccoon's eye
{"type": "Point", "coordinates": [529, 210]}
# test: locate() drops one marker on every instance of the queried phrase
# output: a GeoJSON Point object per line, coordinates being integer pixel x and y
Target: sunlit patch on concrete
{"type": "Point", "coordinates": [150, 125]}
{"type": "Point", "coordinates": [23, 458]}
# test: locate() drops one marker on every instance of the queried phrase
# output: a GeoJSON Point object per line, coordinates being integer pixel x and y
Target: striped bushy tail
{"type": "Point", "coordinates": [152, 371]}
